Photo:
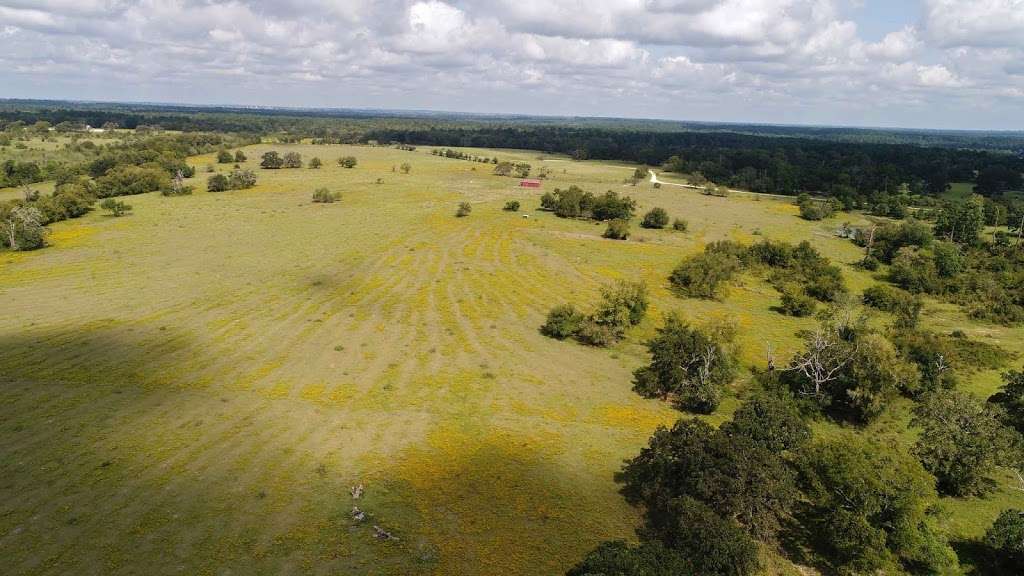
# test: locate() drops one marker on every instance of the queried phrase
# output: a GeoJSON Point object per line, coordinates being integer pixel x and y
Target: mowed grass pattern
{"type": "Point", "coordinates": [192, 389]}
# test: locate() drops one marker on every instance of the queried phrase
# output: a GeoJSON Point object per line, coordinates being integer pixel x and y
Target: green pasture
{"type": "Point", "coordinates": [194, 388]}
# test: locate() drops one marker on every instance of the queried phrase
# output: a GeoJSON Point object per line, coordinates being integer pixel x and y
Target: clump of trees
{"type": "Point", "coordinates": [847, 369]}
{"type": "Point", "coordinates": [574, 202]}
{"type": "Point", "coordinates": [986, 278]}
{"type": "Point", "coordinates": [348, 161]}
{"type": "Point", "coordinates": [136, 166]}
{"type": "Point", "coordinates": [692, 364]}
{"type": "Point", "coordinates": [622, 305]}
{"type": "Point", "coordinates": [131, 180]}
{"type": "Point", "coordinates": [511, 206]}
{"type": "Point", "coordinates": [225, 157]}
{"type": "Point", "coordinates": [655, 218]}
{"type": "Point", "coordinates": [272, 160]}
{"type": "Point", "coordinates": [325, 196]}
{"type": "Point", "coordinates": [708, 496]}
{"type": "Point", "coordinates": [315, 163]}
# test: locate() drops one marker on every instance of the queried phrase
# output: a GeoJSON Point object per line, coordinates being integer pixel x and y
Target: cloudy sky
{"type": "Point", "coordinates": [912, 63]}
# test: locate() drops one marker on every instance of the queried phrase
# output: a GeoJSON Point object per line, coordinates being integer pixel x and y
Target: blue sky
{"type": "Point", "coordinates": [911, 63]}
{"type": "Point", "coordinates": [876, 18]}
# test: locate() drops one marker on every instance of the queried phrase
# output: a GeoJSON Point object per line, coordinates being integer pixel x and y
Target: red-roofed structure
{"type": "Point", "coordinates": [529, 183]}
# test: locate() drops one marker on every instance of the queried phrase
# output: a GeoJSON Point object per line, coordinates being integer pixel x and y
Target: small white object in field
{"type": "Point", "coordinates": [356, 491]}
{"type": "Point", "coordinates": [526, 215]}
{"type": "Point", "coordinates": [357, 514]}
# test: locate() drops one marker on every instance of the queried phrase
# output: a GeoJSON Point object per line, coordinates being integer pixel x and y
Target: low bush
{"type": "Point", "coordinates": [617, 230]}
{"type": "Point", "coordinates": [706, 275]}
{"type": "Point", "coordinates": [622, 305]}
{"type": "Point", "coordinates": [217, 183]}
{"type": "Point", "coordinates": [563, 322]}
{"type": "Point", "coordinates": [680, 225]}
{"type": "Point", "coordinates": [117, 208]}
{"type": "Point", "coordinates": [795, 301]}
{"type": "Point", "coordinates": [464, 209]}
{"type": "Point", "coordinates": [511, 206]}
{"type": "Point", "coordinates": [325, 196]}
{"type": "Point", "coordinates": [655, 218]}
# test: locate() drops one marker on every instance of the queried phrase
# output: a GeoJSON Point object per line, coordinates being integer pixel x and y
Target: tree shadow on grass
{"type": "Point", "coordinates": [500, 503]}
{"type": "Point", "coordinates": [977, 558]}
{"type": "Point", "coordinates": [101, 354]}
{"type": "Point", "coordinates": [802, 545]}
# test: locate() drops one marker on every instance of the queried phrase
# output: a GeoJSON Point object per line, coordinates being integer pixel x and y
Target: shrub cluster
{"type": "Point", "coordinates": [987, 279]}
{"type": "Point", "coordinates": [272, 160]}
{"type": "Point", "coordinates": [800, 273]}
{"type": "Point", "coordinates": [812, 209]}
{"type": "Point", "coordinates": [655, 218]}
{"type": "Point", "coordinates": [325, 196]}
{"type": "Point", "coordinates": [705, 275]}
{"type": "Point", "coordinates": [237, 179]}
{"type": "Point", "coordinates": [517, 169]}
{"type": "Point", "coordinates": [622, 305]}
{"type": "Point", "coordinates": [117, 208]}
{"type": "Point", "coordinates": [617, 230]}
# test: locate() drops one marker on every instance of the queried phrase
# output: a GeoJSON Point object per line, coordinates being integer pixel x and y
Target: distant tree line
{"type": "Point", "coordinates": [855, 173]}
{"type": "Point", "coordinates": [861, 168]}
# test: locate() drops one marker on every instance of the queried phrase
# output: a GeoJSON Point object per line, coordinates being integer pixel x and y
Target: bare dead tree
{"type": "Point", "coordinates": [826, 355]}
{"type": "Point", "coordinates": [941, 364]}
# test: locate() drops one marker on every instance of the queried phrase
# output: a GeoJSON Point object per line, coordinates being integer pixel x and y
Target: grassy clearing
{"type": "Point", "coordinates": [194, 387]}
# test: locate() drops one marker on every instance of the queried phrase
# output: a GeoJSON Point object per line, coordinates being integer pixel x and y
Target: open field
{"type": "Point", "coordinates": [193, 388]}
